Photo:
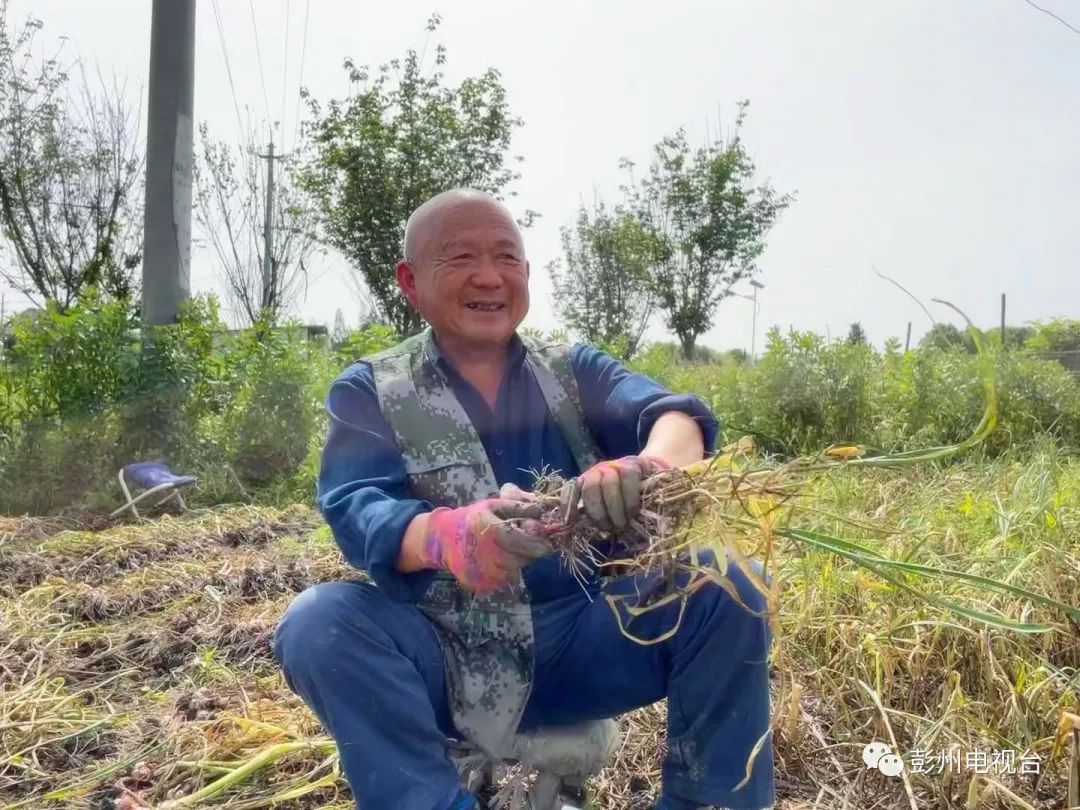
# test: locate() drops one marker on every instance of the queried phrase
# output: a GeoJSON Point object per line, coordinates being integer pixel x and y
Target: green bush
{"type": "Point", "coordinates": [66, 364]}
{"type": "Point", "coordinates": [178, 378]}
{"type": "Point", "coordinates": [82, 393]}
{"type": "Point", "coordinates": [1055, 335]}
{"type": "Point", "coordinates": [60, 377]}
{"type": "Point", "coordinates": [1036, 397]}
{"type": "Point", "coordinates": [805, 393]}
{"type": "Point", "coordinates": [362, 342]}
{"type": "Point", "coordinates": [52, 464]}
{"type": "Point", "coordinates": [274, 411]}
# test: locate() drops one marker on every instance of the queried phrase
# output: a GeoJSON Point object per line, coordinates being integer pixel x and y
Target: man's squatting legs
{"type": "Point", "coordinates": [371, 669]}
{"type": "Point", "coordinates": [714, 672]}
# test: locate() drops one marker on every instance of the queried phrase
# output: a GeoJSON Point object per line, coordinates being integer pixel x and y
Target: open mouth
{"type": "Point", "coordinates": [485, 306]}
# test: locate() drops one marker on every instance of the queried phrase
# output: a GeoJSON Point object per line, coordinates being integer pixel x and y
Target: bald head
{"type": "Point", "coordinates": [426, 222]}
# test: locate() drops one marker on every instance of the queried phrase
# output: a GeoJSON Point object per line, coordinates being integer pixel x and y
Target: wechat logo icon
{"type": "Point", "coordinates": [877, 755]}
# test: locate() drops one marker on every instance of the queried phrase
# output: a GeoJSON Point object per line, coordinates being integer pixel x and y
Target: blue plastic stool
{"type": "Point", "coordinates": [153, 477]}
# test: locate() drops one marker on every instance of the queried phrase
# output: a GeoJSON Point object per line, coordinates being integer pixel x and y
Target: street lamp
{"type": "Point", "coordinates": [757, 285]}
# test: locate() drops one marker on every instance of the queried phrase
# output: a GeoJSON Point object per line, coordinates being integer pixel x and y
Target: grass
{"type": "Point", "coordinates": [136, 670]}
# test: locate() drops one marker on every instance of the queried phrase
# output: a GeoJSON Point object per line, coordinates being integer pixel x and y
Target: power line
{"type": "Point", "coordinates": [1048, 12]}
{"type": "Point", "coordinates": [300, 87]}
{"type": "Point", "coordinates": [228, 66]}
{"type": "Point", "coordinates": [285, 66]}
{"type": "Point", "coordinates": [258, 54]}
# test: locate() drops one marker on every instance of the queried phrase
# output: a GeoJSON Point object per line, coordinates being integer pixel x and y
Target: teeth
{"type": "Point", "coordinates": [484, 307]}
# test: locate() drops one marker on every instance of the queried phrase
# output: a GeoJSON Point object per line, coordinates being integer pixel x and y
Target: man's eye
{"type": "Point", "coordinates": [508, 257]}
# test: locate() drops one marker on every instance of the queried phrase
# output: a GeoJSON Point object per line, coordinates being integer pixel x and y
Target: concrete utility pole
{"type": "Point", "coordinates": [166, 277]}
{"type": "Point", "coordinates": [907, 341]}
{"type": "Point", "coordinates": [1003, 320]}
{"type": "Point", "coordinates": [268, 228]}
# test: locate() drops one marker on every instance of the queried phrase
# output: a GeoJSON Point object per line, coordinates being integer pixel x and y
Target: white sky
{"type": "Point", "coordinates": [939, 142]}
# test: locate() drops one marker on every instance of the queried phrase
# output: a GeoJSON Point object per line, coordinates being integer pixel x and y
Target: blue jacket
{"type": "Point", "coordinates": [362, 489]}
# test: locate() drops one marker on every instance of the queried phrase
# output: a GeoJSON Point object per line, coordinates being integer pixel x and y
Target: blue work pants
{"type": "Point", "coordinates": [371, 669]}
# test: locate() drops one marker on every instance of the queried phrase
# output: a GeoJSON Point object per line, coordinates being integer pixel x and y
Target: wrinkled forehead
{"type": "Point", "coordinates": [474, 222]}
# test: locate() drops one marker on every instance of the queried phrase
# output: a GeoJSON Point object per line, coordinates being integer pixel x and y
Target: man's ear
{"type": "Point", "coordinates": [528, 268]}
{"type": "Point", "coordinates": [406, 281]}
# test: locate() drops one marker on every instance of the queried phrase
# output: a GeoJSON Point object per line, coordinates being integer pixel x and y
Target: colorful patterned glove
{"type": "Point", "coordinates": [611, 490]}
{"type": "Point", "coordinates": [478, 544]}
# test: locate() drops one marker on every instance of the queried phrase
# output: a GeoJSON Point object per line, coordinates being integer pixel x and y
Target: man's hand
{"type": "Point", "coordinates": [478, 545]}
{"type": "Point", "coordinates": [611, 490]}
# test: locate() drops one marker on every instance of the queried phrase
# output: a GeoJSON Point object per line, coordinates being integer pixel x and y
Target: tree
{"type": "Point", "coordinates": [70, 170]}
{"type": "Point", "coordinates": [368, 312]}
{"type": "Point", "coordinates": [400, 139]}
{"type": "Point", "coordinates": [604, 295]}
{"type": "Point", "coordinates": [1055, 335]}
{"type": "Point", "coordinates": [739, 357]}
{"type": "Point", "coordinates": [946, 336]}
{"type": "Point", "coordinates": [1017, 336]}
{"type": "Point", "coordinates": [230, 209]}
{"type": "Point", "coordinates": [856, 336]}
{"type": "Point", "coordinates": [711, 219]}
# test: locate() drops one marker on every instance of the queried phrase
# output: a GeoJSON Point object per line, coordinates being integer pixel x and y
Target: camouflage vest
{"type": "Point", "coordinates": [487, 640]}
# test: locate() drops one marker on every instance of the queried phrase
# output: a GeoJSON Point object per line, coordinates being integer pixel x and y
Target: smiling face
{"type": "Point", "coordinates": [465, 270]}
{"type": "Point", "coordinates": [873, 752]}
{"type": "Point", "coordinates": [891, 765]}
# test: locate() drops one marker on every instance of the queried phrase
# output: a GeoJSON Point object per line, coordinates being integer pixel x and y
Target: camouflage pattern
{"type": "Point", "coordinates": [487, 639]}
{"type": "Point", "coordinates": [550, 364]}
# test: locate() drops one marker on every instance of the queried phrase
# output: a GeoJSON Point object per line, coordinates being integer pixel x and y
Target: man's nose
{"type": "Point", "coordinates": [486, 274]}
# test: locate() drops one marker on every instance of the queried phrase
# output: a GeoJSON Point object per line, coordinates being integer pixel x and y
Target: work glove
{"type": "Point", "coordinates": [610, 491]}
{"type": "Point", "coordinates": [485, 544]}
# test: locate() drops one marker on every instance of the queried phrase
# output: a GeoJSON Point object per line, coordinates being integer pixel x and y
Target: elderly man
{"type": "Point", "coordinates": [472, 628]}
